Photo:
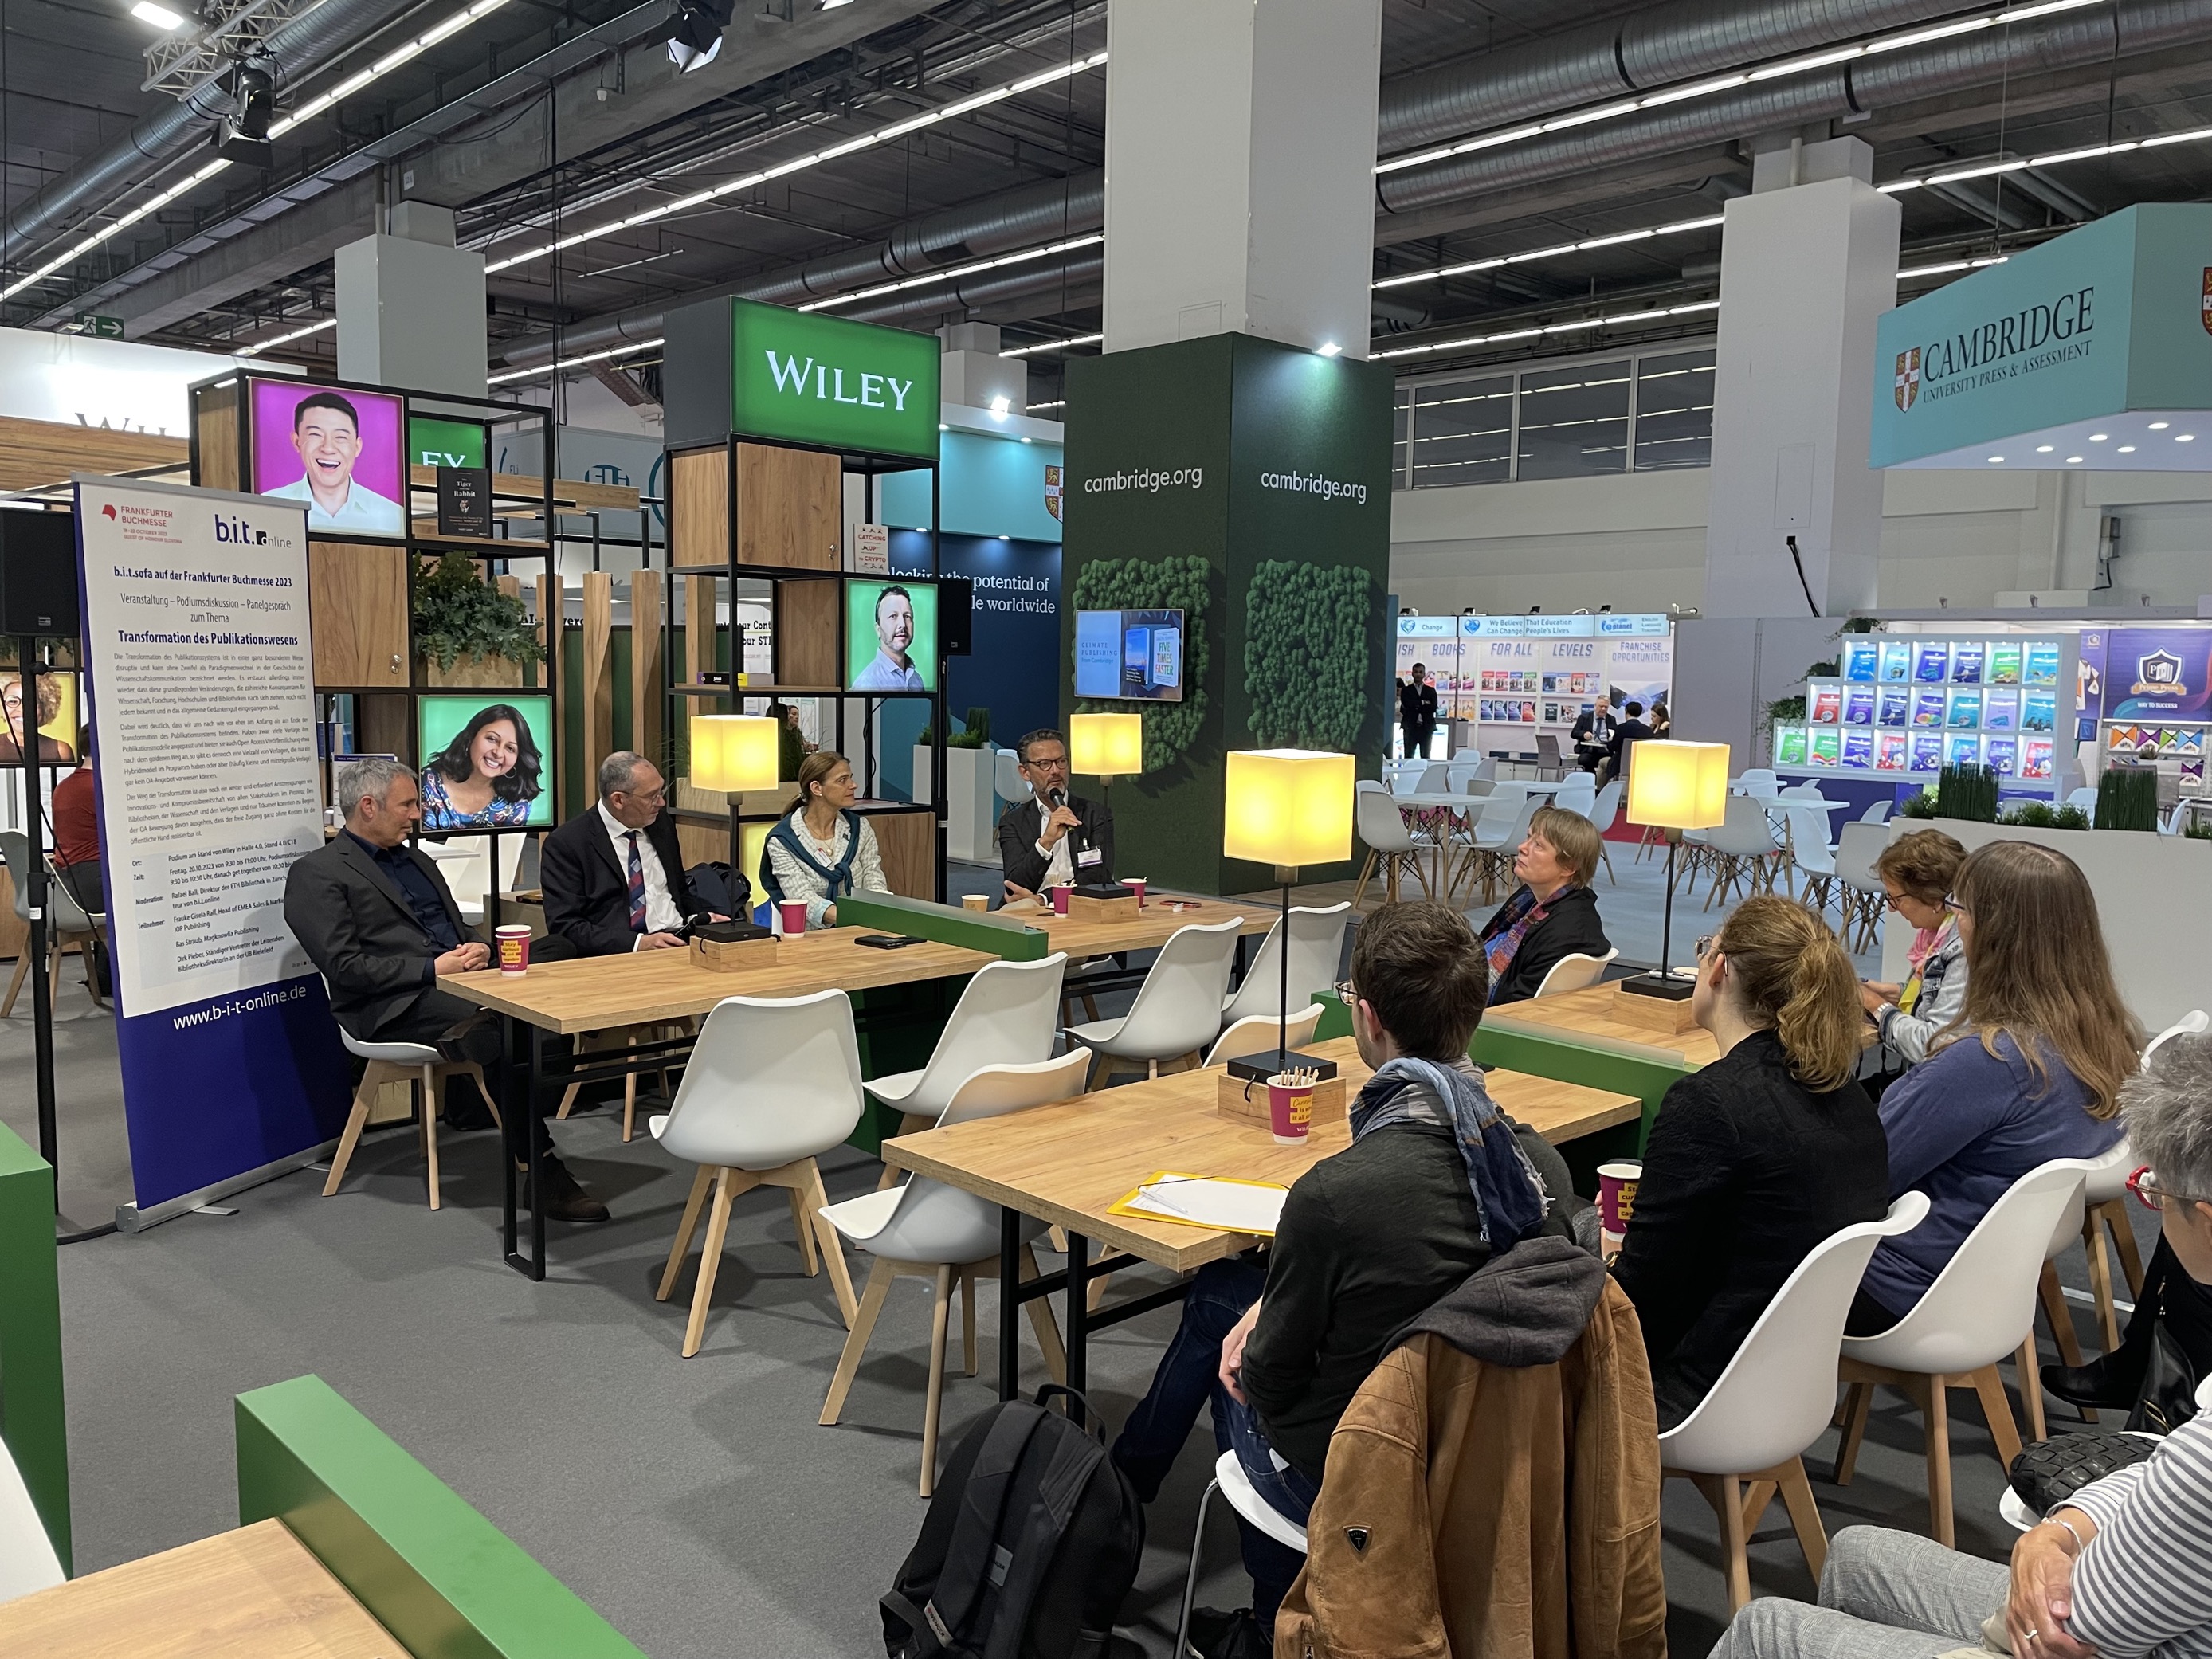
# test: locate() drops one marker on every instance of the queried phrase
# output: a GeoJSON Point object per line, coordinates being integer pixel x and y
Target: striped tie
{"type": "Point", "coordinates": [636, 885]}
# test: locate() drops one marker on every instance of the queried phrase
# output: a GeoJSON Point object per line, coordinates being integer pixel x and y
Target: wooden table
{"type": "Point", "coordinates": [1587, 1017]}
{"type": "Point", "coordinates": [597, 994]}
{"type": "Point", "coordinates": [1151, 927]}
{"type": "Point", "coordinates": [256, 1593]}
{"type": "Point", "coordinates": [1069, 1163]}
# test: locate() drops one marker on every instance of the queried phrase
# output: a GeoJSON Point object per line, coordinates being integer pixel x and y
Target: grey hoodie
{"type": "Point", "coordinates": [1527, 1306]}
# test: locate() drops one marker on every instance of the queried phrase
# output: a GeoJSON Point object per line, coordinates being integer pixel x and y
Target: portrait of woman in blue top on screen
{"type": "Point", "coordinates": [488, 775]}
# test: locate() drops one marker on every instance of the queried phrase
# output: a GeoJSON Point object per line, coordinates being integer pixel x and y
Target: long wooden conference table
{"type": "Point", "coordinates": [597, 994]}
{"type": "Point", "coordinates": [1069, 1164]}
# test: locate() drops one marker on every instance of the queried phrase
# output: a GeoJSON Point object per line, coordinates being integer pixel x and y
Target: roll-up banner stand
{"type": "Point", "coordinates": [196, 636]}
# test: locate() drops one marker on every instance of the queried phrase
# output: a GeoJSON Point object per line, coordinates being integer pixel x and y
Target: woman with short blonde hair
{"type": "Point", "coordinates": [1553, 913]}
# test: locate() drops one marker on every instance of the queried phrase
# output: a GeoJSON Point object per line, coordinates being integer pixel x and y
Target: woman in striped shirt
{"type": "Point", "coordinates": [2124, 1566]}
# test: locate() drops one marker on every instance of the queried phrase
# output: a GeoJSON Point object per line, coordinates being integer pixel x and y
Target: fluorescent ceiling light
{"type": "Point", "coordinates": [1052, 345]}
{"type": "Point", "coordinates": [160, 16]}
{"type": "Point", "coordinates": [260, 346]}
{"type": "Point", "coordinates": [1328, 349]}
{"type": "Point", "coordinates": [953, 273]}
{"type": "Point", "coordinates": [572, 363]}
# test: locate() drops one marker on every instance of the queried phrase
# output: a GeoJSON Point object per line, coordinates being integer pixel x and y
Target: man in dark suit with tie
{"type": "Point", "coordinates": [613, 876]}
{"type": "Point", "coordinates": [1592, 735]}
{"type": "Point", "coordinates": [376, 919]}
{"type": "Point", "coordinates": [1053, 837]}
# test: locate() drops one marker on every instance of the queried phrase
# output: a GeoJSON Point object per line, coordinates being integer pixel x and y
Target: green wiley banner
{"type": "Point", "coordinates": [1246, 483]}
{"type": "Point", "coordinates": [2093, 350]}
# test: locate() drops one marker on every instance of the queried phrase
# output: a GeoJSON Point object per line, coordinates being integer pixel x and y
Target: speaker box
{"type": "Point", "coordinates": [38, 574]}
{"type": "Point", "coordinates": [956, 615]}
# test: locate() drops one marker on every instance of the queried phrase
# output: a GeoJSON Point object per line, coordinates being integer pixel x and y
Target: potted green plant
{"type": "Point", "coordinates": [466, 631]}
{"type": "Point", "coordinates": [2127, 799]}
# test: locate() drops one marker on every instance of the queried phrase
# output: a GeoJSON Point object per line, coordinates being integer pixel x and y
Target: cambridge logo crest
{"type": "Point", "coordinates": [1052, 473]}
{"type": "Point", "coordinates": [2206, 312]}
{"type": "Point", "coordinates": [1908, 364]}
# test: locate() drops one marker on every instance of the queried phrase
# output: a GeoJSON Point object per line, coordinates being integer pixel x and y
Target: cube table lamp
{"type": "Point", "coordinates": [1107, 746]}
{"type": "Point", "coordinates": [1287, 807]}
{"type": "Point", "coordinates": [732, 753]}
{"type": "Point", "coordinates": [1675, 786]}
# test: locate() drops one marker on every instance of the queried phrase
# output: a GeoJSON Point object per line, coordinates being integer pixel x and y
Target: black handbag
{"type": "Point", "coordinates": [2168, 1396]}
{"type": "Point", "coordinates": [2047, 1474]}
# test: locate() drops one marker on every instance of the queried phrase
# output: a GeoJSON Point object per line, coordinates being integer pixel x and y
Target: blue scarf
{"type": "Point", "coordinates": [1508, 1195]}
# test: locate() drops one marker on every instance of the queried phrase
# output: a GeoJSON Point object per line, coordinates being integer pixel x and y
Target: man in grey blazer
{"type": "Point", "coordinates": [378, 921]}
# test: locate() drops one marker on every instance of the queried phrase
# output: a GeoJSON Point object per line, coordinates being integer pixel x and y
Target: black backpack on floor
{"type": "Point", "coordinates": [1030, 1546]}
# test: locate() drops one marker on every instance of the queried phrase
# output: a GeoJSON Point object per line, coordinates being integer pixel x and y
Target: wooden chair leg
{"type": "Point", "coordinates": [933, 1406]}
{"type": "Point", "coordinates": [684, 1230]}
{"type": "Point", "coordinates": [372, 1080]}
{"type": "Point", "coordinates": [718, 1229]}
{"type": "Point", "coordinates": [1854, 1422]}
{"type": "Point", "coordinates": [1042, 1322]}
{"type": "Point", "coordinates": [16, 983]}
{"type": "Point", "coordinates": [910, 1123]}
{"type": "Point", "coordinates": [1366, 874]}
{"type": "Point", "coordinates": [1935, 1412]}
{"type": "Point", "coordinates": [2100, 1282]}
{"type": "Point", "coordinates": [967, 1320]}
{"type": "Point", "coordinates": [429, 1082]}
{"type": "Point", "coordinates": [2031, 1388]}
{"type": "Point", "coordinates": [1805, 1516]}
{"type": "Point", "coordinates": [856, 1340]}
{"type": "Point", "coordinates": [2115, 1212]}
{"type": "Point", "coordinates": [1724, 1493]}
{"type": "Point", "coordinates": [630, 1100]}
{"type": "Point", "coordinates": [1996, 1407]}
{"type": "Point", "coordinates": [584, 1044]}
{"type": "Point", "coordinates": [808, 1255]}
{"type": "Point", "coordinates": [833, 1248]}
{"type": "Point", "coordinates": [2060, 1318]}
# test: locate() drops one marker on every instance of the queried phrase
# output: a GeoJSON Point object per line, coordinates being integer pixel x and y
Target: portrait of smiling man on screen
{"type": "Point", "coordinates": [326, 432]}
{"type": "Point", "coordinates": [892, 668]}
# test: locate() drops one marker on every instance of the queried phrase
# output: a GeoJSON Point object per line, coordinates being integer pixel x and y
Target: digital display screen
{"type": "Point", "coordinates": [486, 760]}
{"type": "Point", "coordinates": [1129, 655]}
{"type": "Point", "coordinates": [890, 635]}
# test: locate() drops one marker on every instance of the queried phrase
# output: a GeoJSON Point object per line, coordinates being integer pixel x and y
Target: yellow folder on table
{"type": "Point", "coordinates": [1220, 1202]}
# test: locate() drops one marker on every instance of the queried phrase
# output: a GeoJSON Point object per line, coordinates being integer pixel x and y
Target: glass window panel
{"type": "Point", "coordinates": [1674, 410]}
{"type": "Point", "coordinates": [1462, 432]}
{"type": "Point", "coordinates": [1574, 421]}
{"type": "Point", "coordinates": [1401, 439]}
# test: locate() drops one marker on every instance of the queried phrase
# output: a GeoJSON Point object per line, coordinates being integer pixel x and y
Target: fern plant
{"type": "Point", "coordinates": [459, 612]}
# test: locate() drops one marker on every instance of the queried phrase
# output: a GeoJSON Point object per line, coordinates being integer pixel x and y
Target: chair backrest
{"type": "Point", "coordinates": [1575, 972]}
{"type": "Point", "coordinates": [1981, 1306]}
{"type": "Point", "coordinates": [1479, 789]}
{"type": "Point", "coordinates": [1800, 791]}
{"type": "Point", "coordinates": [1178, 1009]}
{"type": "Point", "coordinates": [1379, 822]}
{"type": "Point", "coordinates": [2194, 1022]}
{"type": "Point", "coordinates": [1808, 840]}
{"type": "Point", "coordinates": [1548, 748]}
{"type": "Point", "coordinates": [1258, 1034]}
{"type": "Point", "coordinates": [1579, 793]}
{"type": "Point", "coordinates": [770, 1080]}
{"type": "Point", "coordinates": [1435, 779]}
{"type": "Point", "coordinates": [1877, 813]}
{"type": "Point", "coordinates": [1743, 832]}
{"type": "Point", "coordinates": [935, 1223]}
{"type": "Point", "coordinates": [16, 848]}
{"type": "Point", "coordinates": [1778, 1392]}
{"type": "Point", "coordinates": [1006, 782]}
{"type": "Point", "coordinates": [1370, 787]}
{"type": "Point", "coordinates": [27, 1561]}
{"type": "Point", "coordinates": [1605, 810]}
{"type": "Point", "coordinates": [2086, 796]}
{"type": "Point", "coordinates": [1757, 775]}
{"type": "Point", "coordinates": [2106, 1178]}
{"type": "Point", "coordinates": [1856, 848]}
{"type": "Point", "coordinates": [1008, 1016]}
{"type": "Point", "coordinates": [1316, 947]}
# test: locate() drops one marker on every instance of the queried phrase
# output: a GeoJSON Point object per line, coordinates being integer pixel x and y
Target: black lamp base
{"type": "Point", "coordinates": [1676, 985]}
{"type": "Point", "coordinates": [1258, 1069]}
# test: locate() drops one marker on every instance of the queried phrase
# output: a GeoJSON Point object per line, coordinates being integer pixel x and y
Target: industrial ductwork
{"type": "Point", "coordinates": [301, 47]}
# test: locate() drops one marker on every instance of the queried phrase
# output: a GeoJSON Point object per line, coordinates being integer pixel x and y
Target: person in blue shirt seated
{"type": "Point", "coordinates": [2031, 1071]}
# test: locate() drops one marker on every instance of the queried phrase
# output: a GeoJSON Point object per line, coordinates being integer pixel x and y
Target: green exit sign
{"type": "Point", "coordinates": [92, 323]}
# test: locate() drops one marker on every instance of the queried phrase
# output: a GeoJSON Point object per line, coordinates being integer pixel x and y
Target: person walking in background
{"type": "Point", "coordinates": [1416, 713]}
{"type": "Point", "coordinates": [1756, 1158]}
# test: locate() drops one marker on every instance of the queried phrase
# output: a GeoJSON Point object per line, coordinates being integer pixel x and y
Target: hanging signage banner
{"type": "Point", "coordinates": [837, 385]}
{"type": "Point", "coordinates": [197, 638]}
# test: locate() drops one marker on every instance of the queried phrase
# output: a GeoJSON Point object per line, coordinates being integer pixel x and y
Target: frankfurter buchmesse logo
{"type": "Point", "coordinates": [1908, 376]}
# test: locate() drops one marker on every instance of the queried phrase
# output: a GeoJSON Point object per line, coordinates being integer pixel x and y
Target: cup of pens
{"type": "Point", "coordinates": [1290, 1105]}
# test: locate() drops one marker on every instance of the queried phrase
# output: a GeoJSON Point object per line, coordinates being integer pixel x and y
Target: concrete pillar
{"type": "Point", "coordinates": [974, 374]}
{"type": "Point", "coordinates": [1808, 262]}
{"type": "Point", "coordinates": [411, 306]}
{"type": "Point", "coordinates": [1240, 155]}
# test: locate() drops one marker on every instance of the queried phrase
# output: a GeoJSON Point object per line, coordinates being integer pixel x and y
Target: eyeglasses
{"type": "Point", "coordinates": [653, 799]}
{"type": "Point", "coordinates": [1705, 944]}
{"type": "Point", "coordinates": [1346, 992]}
{"type": "Point", "coordinates": [1895, 901]}
{"type": "Point", "coordinates": [2144, 1183]}
{"type": "Point", "coordinates": [1952, 901]}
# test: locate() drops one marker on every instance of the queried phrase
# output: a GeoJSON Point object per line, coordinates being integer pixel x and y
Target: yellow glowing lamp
{"type": "Point", "coordinates": [1288, 807]}
{"type": "Point", "coordinates": [1106, 745]}
{"type": "Point", "coordinates": [1678, 786]}
{"type": "Point", "coordinates": [734, 752]}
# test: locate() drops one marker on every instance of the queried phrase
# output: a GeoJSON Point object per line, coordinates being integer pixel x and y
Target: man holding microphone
{"type": "Point", "coordinates": [1054, 837]}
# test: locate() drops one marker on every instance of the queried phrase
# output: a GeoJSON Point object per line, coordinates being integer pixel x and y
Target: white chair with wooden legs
{"type": "Point", "coordinates": [771, 1084]}
{"type": "Point", "coordinates": [1233, 1483]}
{"type": "Point", "coordinates": [1741, 848]}
{"type": "Point", "coordinates": [2107, 1176]}
{"type": "Point", "coordinates": [1491, 841]}
{"type": "Point", "coordinates": [1008, 1016]}
{"type": "Point", "coordinates": [67, 923]}
{"type": "Point", "coordinates": [1980, 1309]}
{"type": "Point", "coordinates": [1776, 1398]}
{"type": "Point", "coordinates": [1178, 1011]}
{"type": "Point", "coordinates": [1316, 947]}
{"type": "Point", "coordinates": [1390, 845]}
{"type": "Point", "coordinates": [1605, 812]}
{"type": "Point", "coordinates": [1865, 900]}
{"type": "Point", "coordinates": [927, 1230]}
{"type": "Point", "coordinates": [1259, 1034]}
{"type": "Point", "coordinates": [625, 1036]}
{"type": "Point", "coordinates": [414, 1063]}
{"type": "Point", "coordinates": [1576, 972]}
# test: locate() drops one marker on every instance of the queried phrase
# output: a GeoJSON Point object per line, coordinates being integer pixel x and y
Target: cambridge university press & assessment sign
{"type": "Point", "coordinates": [797, 377]}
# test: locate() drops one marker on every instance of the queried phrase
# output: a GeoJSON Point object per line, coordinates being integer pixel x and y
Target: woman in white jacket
{"type": "Point", "coordinates": [1917, 871]}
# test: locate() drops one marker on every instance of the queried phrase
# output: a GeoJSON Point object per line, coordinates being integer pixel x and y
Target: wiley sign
{"type": "Point", "coordinates": [801, 378]}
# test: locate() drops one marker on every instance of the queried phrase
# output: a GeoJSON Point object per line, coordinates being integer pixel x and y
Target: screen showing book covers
{"type": "Point", "coordinates": [196, 609]}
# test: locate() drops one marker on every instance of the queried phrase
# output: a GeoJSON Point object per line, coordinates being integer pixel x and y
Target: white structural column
{"type": "Point", "coordinates": [1808, 262]}
{"type": "Point", "coordinates": [1240, 155]}
{"type": "Point", "coordinates": [411, 306]}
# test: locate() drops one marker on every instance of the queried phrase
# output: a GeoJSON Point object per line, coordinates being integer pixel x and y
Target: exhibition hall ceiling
{"type": "Point", "coordinates": [810, 162]}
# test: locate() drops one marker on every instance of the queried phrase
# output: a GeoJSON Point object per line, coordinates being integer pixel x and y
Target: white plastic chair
{"type": "Point", "coordinates": [1741, 848]}
{"type": "Point", "coordinates": [1257, 1034]}
{"type": "Point", "coordinates": [2106, 1180]}
{"type": "Point", "coordinates": [1389, 844]}
{"type": "Point", "coordinates": [1865, 899]}
{"type": "Point", "coordinates": [924, 1229]}
{"type": "Point", "coordinates": [27, 1561]}
{"type": "Point", "coordinates": [417, 1064]}
{"type": "Point", "coordinates": [2085, 797]}
{"type": "Point", "coordinates": [1758, 781]}
{"type": "Point", "coordinates": [1492, 840]}
{"type": "Point", "coordinates": [1006, 782]}
{"type": "Point", "coordinates": [1980, 1309]}
{"type": "Point", "coordinates": [771, 1084]}
{"type": "Point", "coordinates": [1233, 1483]}
{"type": "Point", "coordinates": [1435, 779]}
{"type": "Point", "coordinates": [1777, 1396]}
{"type": "Point", "coordinates": [1605, 812]}
{"type": "Point", "coordinates": [1008, 1016]}
{"type": "Point", "coordinates": [1177, 1010]}
{"type": "Point", "coordinates": [1811, 857]}
{"type": "Point", "coordinates": [67, 922]}
{"type": "Point", "coordinates": [1576, 972]}
{"type": "Point", "coordinates": [1316, 947]}
{"type": "Point", "coordinates": [1579, 793]}
{"type": "Point", "coordinates": [1877, 813]}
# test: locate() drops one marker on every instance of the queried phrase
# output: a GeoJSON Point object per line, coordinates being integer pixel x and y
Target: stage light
{"type": "Point", "coordinates": [694, 37]}
{"type": "Point", "coordinates": [160, 16]}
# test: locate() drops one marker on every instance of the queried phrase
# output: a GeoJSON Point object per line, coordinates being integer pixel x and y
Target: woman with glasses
{"type": "Point", "coordinates": [2119, 1567]}
{"type": "Point", "coordinates": [1916, 872]}
{"type": "Point", "coordinates": [1755, 1160]}
{"type": "Point", "coordinates": [1552, 915]}
{"type": "Point", "coordinates": [2030, 1071]}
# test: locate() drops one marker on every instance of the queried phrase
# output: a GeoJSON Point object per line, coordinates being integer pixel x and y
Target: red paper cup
{"type": "Point", "coordinates": [1616, 1194]}
{"type": "Point", "coordinates": [1060, 901]}
{"type": "Point", "coordinates": [794, 917]}
{"type": "Point", "coordinates": [1290, 1111]}
{"type": "Point", "coordinates": [513, 944]}
{"type": "Point", "coordinates": [1135, 885]}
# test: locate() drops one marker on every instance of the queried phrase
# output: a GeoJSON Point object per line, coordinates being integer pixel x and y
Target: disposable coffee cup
{"type": "Point", "coordinates": [1060, 900]}
{"type": "Point", "coordinates": [1616, 1196]}
{"type": "Point", "coordinates": [793, 914]}
{"type": "Point", "coordinates": [1290, 1110]}
{"type": "Point", "coordinates": [513, 944]}
{"type": "Point", "coordinates": [1135, 885]}
{"type": "Point", "coordinates": [974, 902]}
